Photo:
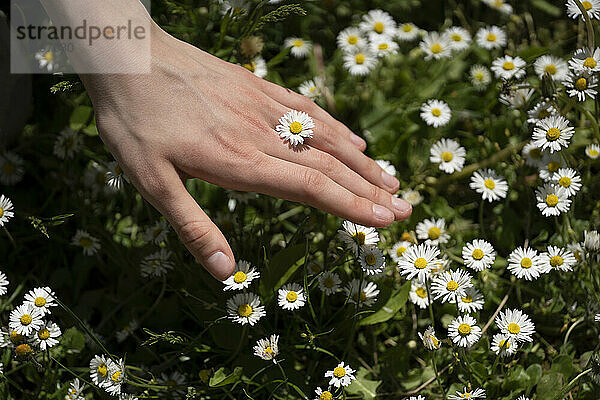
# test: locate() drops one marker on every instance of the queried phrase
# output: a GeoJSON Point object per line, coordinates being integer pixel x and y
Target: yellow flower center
{"type": "Point", "coordinates": [556, 261]}
{"type": "Point", "coordinates": [589, 63]}
{"type": "Point", "coordinates": [504, 344]}
{"type": "Point", "coordinates": [291, 296]}
{"type": "Point", "coordinates": [543, 113]}
{"type": "Point", "coordinates": [378, 27]}
{"type": "Point", "coordinates": [25, 319]}
{"type": "Point", "coordinates": [456, 37]}
{"type": "Point", "coordinates": [464, 329]}
{"type": "Point", "coordinates": [552, 134]}
{"type": "Point", "coordinates": [328, 282]}
{"type": "Point", "coordinates": [436, 112]}
{"type": "Point", "coordinates": [553, 166]}
{"type": "Point", "coordinates": [587, 5]}
{"type": "Point", "coordinates": [352, 39]}
{"type": "Point", "coordinates": [564, 181]}
{"type": "Point", "coordinates": [44, 334]}
{"type": "Point", "coordinates": [477, 254]}
{"type": "Point", "coordinates": [479, 76]}
{"type": "Point", "coordinates": [406, 237]}
{"type": "Point", "coordinates": [359, 58]}
{"type": "Point", "coordinates": [370, 259]}
{"type": "Point", "coordinates": [581, 84]}
{"type": "Point", "coordinates": [489, 183]}
{"type": "Point", "coordinates": [23, 350]}
{"type": "Point", "coordinates": [362, 296]}
{"type": "Point", "coordinates": [594, 153]}
{"type": "Point", "coordinates": [49, 56]}
{"type": "Point", "coordinates": [526, 262]}
{"type": "Point", "coordinates": [40, 302]}
{"type": "Point", "coordinates": [339, 372]}
{"type": "Point", "coordinates": [269, 351]}
{"type": "Point", "coordinates": [467, 299]}
{"type": "Point", "coordinates": [102, 370]}
{"type": "Point", "coordinates": [326, 396]}
{"type": "Point", "coordinates": [498, 3]}
{"type": "Point", "coordinates": [551, 69]}
{"type": "Point", "coordinates": [508, 65]}
{"type": "Point", "coordinates": [295, 127]}
{"type": "Point", "coordinates": [298, 43]}
{"type": "Point", "coordinates": [434, 341]}
{"type": "Point", "coordinates": [421, 292]}
{"type": "Point", "coordinates": [552, 200]}
{"type": "Point", "coordinates": [447, 156]}
{"type": "Point", "coordinates": [116, 376]}
{"type": "Point", "coordinates": [239, 277]}
{"type": "Point", "coordinates": [407, 28]}
{"type": "Point", "coordinates": [383, 46]}
{"type": "Point", "coordinates": [491, 37]}
{"type": "Point", "coordinates": [1, 212]}
{"type": "Point", "coordinates": [312, 89]}
{"type": "Point", "coordinates": [420, 263]}
{"type": "Point", "coordinates": [452, 286]}
{"type": "Point", "coordinates": [85, 242]}
{"type": "Point", "coordinates": [434, 233]}
{"type": "Point", "coordinates": [400, 250]}
{"type": "Point", "coordinates": [251, 66]}
{"type": "Point", "coordinates": [436, 48]}
{"type": "Point", "coordinates": [359, 237]}
{"type": "Point", "coordinates": [513, 328]}
{"type": "Point", "coordinates": [8, 168]}
{"type": "Point", "coordinates": [16, 337]}
{"type": "Point", "coordinates": [578, 256]}
{"type": "Point", "coordinates": [245, 310]}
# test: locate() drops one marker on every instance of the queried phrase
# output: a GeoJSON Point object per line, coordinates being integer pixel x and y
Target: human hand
{"type": "Point", "coordinates": [198, 116]}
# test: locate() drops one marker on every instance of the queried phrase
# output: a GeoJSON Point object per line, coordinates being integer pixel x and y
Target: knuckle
{"type": "Point", "coordinates": [328, 165]}
{"type": "Point", "coordinates": [194, 235]}
{"type": "Point", "coordinates": [312, 182]}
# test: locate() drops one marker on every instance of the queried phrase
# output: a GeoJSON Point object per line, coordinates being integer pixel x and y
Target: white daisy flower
{"type": "Point", "coordinates": [116, 374]}
{"type": "Point", "coordinates": [267, 348]}
{"type": "Point", "coordinates": [47, 335]}
{"type": "Point", "coordinates": [418, 261]}
{"type": "Point", "coordinates": [478, 255]}
{"type": "Point", "coordinates": [449, 154]}
{"type": "Point", "coordinates": [442, 265]}
{"type": "Point", "coordinates": [436, 46]}
{"type": "Point", "coordinates": [503, 344]}
{"type": "Point", "coordinates": [577, 250]}
{"type": "Point", "coordinates": [552, 199]}
{"type": "Point", "coordinates": [552, 133]}
{"type": "Point", "coordinates": [41, 298]}
{"type": "Point", "coordinates": [359, 62]}
{"type": "Point", "coordinates": [525, 263]}
{"type": "Point", "coordinates": [568, 179]}
{"type": "Point", "coordinates": [99, 367]}
{"type": "Point", "coordinates": [126, 396]}
{"type": "Point", "coordinates": [46, 59]}
{"type": "Point", "coordinates": [329, 282]}
{"type": "Point", "coordinates": [532, 155]}
{"type": "Point", "coordinates": [516, 98]}
{"type": "Point", "coordinates": [75, 391]}
{"type": "Point", "coordinates": [555, 67]}
{"type": "Point", "coordinates": [459, 37]}
{"type": "Point", "coordinates": [430, 341]}
{"type": "Point", "coordinates": [114, 175]}
{"type": "Point", "coordinates": [508, 67]}
{"type": "Point", "coordinates": [407, 32]}
{"type": "Point", "coordinates": [294, 127]}
{"type": "Point", "coordinates": [3, 284]}
{"type": "Point", "coordinates": [499, 5]}
{"type": "Point", "coordinates": [472, 301]}
{"type": "Point", "coordinates": [245, 308]}
{"type": "Point", "coordinates": [540, 111]}
{"type": "Point", "coordinates": [523, 397]}
{"type": "Point", "coordinates": [341, 376]}
{"type": "Point", "coordinates": [480, 76]}
{"type": "Point", "coordinates": [398, 250]}
{"type": "Point", "coordinates": [551, 163]}
{"type": "Point", "coordinates": [591, 6]}
{"type": "Point", "coordinates": [26, 319]}
{"type": "Point", "coordinates": [413, 197]}
{"type": "Point", "coordinates": [156, 264]}
{"type": "Point", "coordinates": [300, 48]}
{"type": "Point", "coordinates": [312, 88]}
{"type": "Point", "coordinates": [175, 381]}
{"type": "Point", "coordinates": [418, 293]}
{"type": "Point", "coordinates": [67, 144]}
{"type": "Point", "coordinates": [11, 168]}
{"type": "Point", "coordinates": [433, 231]}
{"type": "Point", "coordinates": [127, 331]}
{"type": "Point", "coordinates": [516, 325]}
{"type": "Point", "coordinates": [592, 151]}
{"type": "Point", "coordinates": [591, 240]}
{"type": "Point", "coordinates": [419, 397]}
{"type": "Point", "coordinates": [243, 274]}
{"type": "Point", "coordinates": [6, 210]}
{"type": "Point", "coordinates": [581, 85]}
{"type": "Point", "coordinates": [371, 260]}
{"type": "Point", "coordinates": [450, 286]}
{"type": "Point", "coordinates": [490, 37]}
{"type": "Point", "coordinates": [94, 178]}
{"type": "Point", "coordinates": [157, 233]}
{"type": "Point", "coordinates": [464, 331]}
{"type": "Point", "coordinates": [365, 296]}
{"type": "Point", "coordinates": [435, 113]}
{"type": "Point", "coordinates": [323, 394]}
{"type": "Point", "coordinates": [468, 394]}
{"type": "Point", "coordinates": [383, 46]}
{"type": "Point", "coordinates": [387, 166]}
{"type": "Point", "coordinates": [351, 39]}
{"type": "Point", "coordinates": [491, 185]}
{"type": "Point", "coordinates": [291, 296]}
{"type": "Point", "coordinates": [354, 236]}
{"type": "Point", "coordinates": [556, 258]}
{"type": "Point", "coordinates": [378, 23]}
{"type": "Point", "coordinates": [89, 244]}
{"type": "Point", "coordinates": [257, 66]}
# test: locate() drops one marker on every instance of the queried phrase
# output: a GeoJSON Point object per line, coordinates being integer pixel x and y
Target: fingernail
{"type": "Point", "coordinates": [383, 213]}
{"type": "Point", "coordinates": [402, 206]}
{"type": "Point", "coordinates": [357, 140]}
{"type": "Point", "coordinates": [390, 181]}
{"type": "Point", "coordinates": [219, 265]}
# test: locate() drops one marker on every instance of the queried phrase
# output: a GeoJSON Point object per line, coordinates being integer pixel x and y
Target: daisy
{"type": "Point", "coordinates": [499, 5]}
{"type": "Point", "coordinates": [367, 295]}
{"type": "Point", "coordinates": [480, 76]}
{"type": "Point", "coordinates": [114, 175]}
{"type": "Point", "coordinates": [440, 266]}
{"type": "Point", "coordinates": [245, 308]}
{"type": "Point", "coordinates": [540, 111]}
{"type": "Point", "coordinates": [508, 67]}
{"type": "Point", "coordinates": [41, 298]}
{"type": "Point", "coordinates": [468, 394]}
{"type": "Point", "coordinates": [592, 151]}
{"type": "Point", "coordinates": [555, 67]}
{"type": "Point", "coordinates": [436, 46]}
{"type": "Point", "coordinates": [67, 144]}
{"type": "Point", "coordinates": [87, 242]}
{"type": "Point", "coordinates": [556, 258]}
{"type": "Point", "coordinates": [156, 264]}
{"type": "Point", "coordinates": [267, 348]}
{"type": "Point", "coordinates": [75, 391]}
{"type": "Point", "coordinates": [47, 335]}
{"type": "Point", "coordinates": [294, 127]}
{"type": "Point", "coordinates": [3, 284]}
{"type": "Point", "coordinates": [417, 261]}
{"type": "Point", "coordinates": [311, 88]}
{"type": "Point", "coordinates": [398, 250]}
{"type": "Point", "coordinates": [383, 46]}
{"type": "Point", "coordinates": [552, 133]}
{"type": "Point", "coordinates": [471, 301]}
{"type": "Point", "coordinates": [387, 166]}
{"type": "Point", "coordinates": [430, 341]}
{"type": "Point", "coordinates": [551, 163]}
{"type": "Point", "coordinates": [94, 177]}
{"type": "Point", "coordinates": [46, 59]}
{"type": "Point", "coordinates": [592, 7]}
{"type": "Point", "coordinates": [450, 286]}
{"type": "Point", "coordinates": [433, 231]}
{"type": "Point", "coordinates": [351, 39]}
{"type": "Point", "coordinates": [341, 376]}
{"type": "Point", "coordinates": [127, 330]}
{"type": "Point", "coordinates": [491, 185]}
{"type": "Point", "coordinates": [503, 344]}
{"type": "Point", "coordinates": [116, 373]}
{"type": "Point", "coordinates": [6, 210]}
{"type": "Point", "coordinates": [413, 197]}
{"type": "Point", "coordinates": [525, 263]}
{"type": "Point", "coordinates": [577, 250]}
{"type": "Point", "coordinates": [371, 260]}
{"type": "Point", "coordinates": [323, 394]}
{"type": "Point", "coordinates": [516, 98]}
{"type": "Point", "coordinates": [418, 293]}
{"type": "Point", "coordinates": [99, 366]}
{"type": "Point", "coordinates": [591, 240]}
{"type": "Point", "coordinates": [552, 199]}
{"type": "Point", "coordinates": [568, 179]}
{"type": "Point", "coordinates": [291, 296]}
{"type": "Point", "coordinates": [11, 168]}
{"type": "Point", "coordinates": [581, 85]}
{"type": "Point", "coordinates": [435, 113]}
{"type": "Point", "coordinates": [464, 331]}
{"type": "Point", "coordinates": [378, 23]}
{"type": "Point", "coordinates": [243, 274]}
{"type": "Point", "coordinates": [329, 282]}
{"type": "Point", "coordinates": [407, 32]}
{"type": "Point", "coordinates": [459, 37]}
{"type": "Point", "coordinates": [359, 62]}
{"type": "Point", "coordinates": [257, 66]}
{"type": "Point", "coordinates": [516, 325]}
{"type": "Point", "coordinates": [532, 155]}
{"type": "Point", "coordinates": [25, 319]}
{"type": "Point", "coordinates": [449, 154]}
{"type": "Point", "coordinates": [157, 233]}
{"type": "Point", "coordinates": [356, 236]}
{"type": "Point", "coordinates": [175, 380]}
{"type": "Point", "coordinates": [478, 255]}
{"type": "Point", "coordinates": [490, 37]}
{"type": "Point", "coordinates": [300, 48]}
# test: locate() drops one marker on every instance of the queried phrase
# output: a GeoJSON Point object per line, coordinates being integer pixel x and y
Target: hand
{"type": "Point", "coordinates": [198, 116]}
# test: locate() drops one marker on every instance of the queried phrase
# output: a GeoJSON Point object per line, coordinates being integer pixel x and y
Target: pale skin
{"type": "Point", "coordinates": [196, 116]}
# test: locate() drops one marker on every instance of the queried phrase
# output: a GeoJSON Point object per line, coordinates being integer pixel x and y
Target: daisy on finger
{"type": "Point", "coordinates": [407, 32]}
{"type": "Point", "coordinates": [503, 344]}
{"type": "Point", "coordinates": [351, 39]}
{"type": "Point", "coordinates": [341, 376]}
{"type": "Point", "coordinates": [300, 48]}
{"type": "Point", "coordinates": [430, 341]}
{"type": "Point", "coordinates": [552, 133]}
{"type": "Point", "coordinates": [41, 298]}
{"type": "Point", "coordinates": [568, 179]}
{"type": "Point", "coordinates": [592, 151]}
{"type": "Point", "coordinates": [449, 154]}
{"type": "Point", "coordinates": [552, 200]}
{"type": "Point", "coordinates": [459, 37]}
{"type": "Point", "coordinates": [329, 282]}
{"type": "Point", "coordinates": [480, 77]}
{"type": "Point", "coordinates": [525, 263]}
{"type": "Point", "coordinates": [363, 293]}
{"type": "Point", "coordinates": [540, 111]}
{"type": "Point", "coordinates": [257, 66]}
{"type": "Point", "coordinates": [243, 275]}
{"type": "Point", "coordinates": [267, 348]}
{"type": "Point", "coordinates": [245, 308]}
{"type": "Point", "coordinates": [581, 85]}
{"type": "Point", "coordinates": [491, 37]}
{"type": "Point", "coordinates": [11, 168]}
{"type": "Point", "coordinates": [88, 243]}
{"type": "Point", "coordinates": [478, 255]}
{"type": "Point", "coordinates": [356, 236]}
{"type": "Point", "coordinates": [508, 67]}
{"type": "Point", "coordinates": [418, 261]}
{"type": "Point", "coordinates": [433, 231]}
{"type": "Point", "coordinates": [47, 336]}
{"type": "Point", "coordinates": [6, 210]}
{"type": "Point", "coordinates": [472, 301]}
{"type": "Point", "coordinates": [555, 67]}
{"type": "Point", "coordinates": [383, 46]}
{"type": "Point", "coordinates": [371, 260]}
{"type": "Point", "coordinates": [291, 296]}
{"type": "Point", "coordinates": [398, 250]}
{"type": "Point", "coordinates": [359, 62]}
{"type": "Point", "coordinates": [491, 185]}
{"type": "Point", "coordinates": [418, 293]}
{"type": "Point", "coordinates": [436, 46]}
{"type": "Point", "coordinates": [450, 286]}
{"type": "Point", "coordinates": [559, 259]}
{"type": "Point", "coordinates": [378, 23]}
{"type": "Point", "coordinates": [295, 127]}
{"type": "Point", "coordinates": [592, 7]}
{"type": "Point", "coordinates": [435, 113]}
{"type": "Point", "coordinates": [516, 325]}
{"type": "Point", "coordinates": [312, 88]}
{"type": "Point", "coordinates": [25, 319]}
{"type": "Point", "coordinates": [464, 331]}
{"type": "Point", "coordinates": [468, 394]}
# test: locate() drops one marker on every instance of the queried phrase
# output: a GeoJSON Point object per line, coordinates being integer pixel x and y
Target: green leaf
{"type": "Point", "coordinates": [281, 268]}
{"type": "Point", "coordinates": [73, 340]}
{"type": "Point", "coordinates": [549, 386]}
{"type": "Point", "coordinates": [563, 364]}
{"type": "Point", "coordinates": [222, 378]}
{"type": "Point", "coordinates": [80, 117]}
{"type": "Point", "coordinates": [364, 386]}
{"type": "Point", "coordinates": [535, 373]}
{"type": "Point", "coordinates": [516, 379]}
{"type": "Point", "coordinates": [389, 309]}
